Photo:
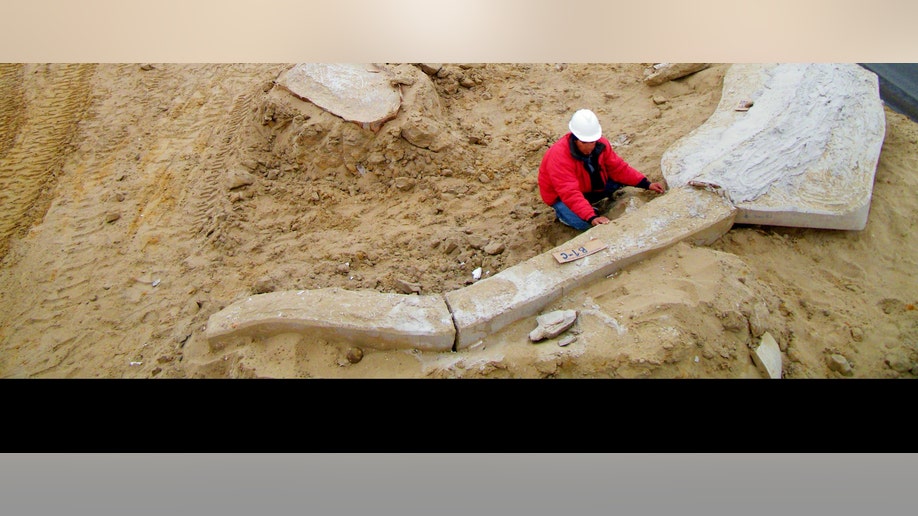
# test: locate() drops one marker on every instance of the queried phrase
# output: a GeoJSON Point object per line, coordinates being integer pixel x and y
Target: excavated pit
{"type": "Point", "coordinates": [477, 311]}
{"type": "Point", "coordinates": [299, 167]}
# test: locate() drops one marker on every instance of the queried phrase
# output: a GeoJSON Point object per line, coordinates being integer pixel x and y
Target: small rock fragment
{"type": "Point", "coordinates": [534, 145]}
{"type": "Point", "coordinates": [404, 183]}
{"type": "Point", "coordinates": [663, 72]}
{"type": "Point", "coordinates": [238, 178]}
{"type": "Point", "coordinates": [622, 140]}
{"type": "Point", "coordinates": [857, 334]}
{"type": "Point", "coordinates": [566, 340]}
{"type": "Point", "coordinates": [354, 355]}
{"type": "Point", "coordinates": [264, 285]}
{"type": "Point", "coordinates": [494, 248]}
{"type": "Point", "coordinates": [146, 67]}
{"type": "Point", "coordinates": [476, 242]}
{"type": "Point", "coordinates": [407, 287]}
{"type": "Point", "coordinates": [743, 105]}
{"type": "Point", "coordinates": [430, 68]}
{"type": "Point", "coordinates": [897, 363]}
{"type": "Point", "coordinates": [420, 131]}
{"type": "Point", "coordinates": [840, 364]}
{"type": "Point", "coordinates": [552, 324]}
{"type": "Point", "coordinates": [112, 217]}
{"type": "Point", "coordinates": [758, 319]}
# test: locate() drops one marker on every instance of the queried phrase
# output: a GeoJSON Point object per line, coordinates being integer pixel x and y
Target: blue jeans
{"type": "Point", "coordinates": [569, 218]}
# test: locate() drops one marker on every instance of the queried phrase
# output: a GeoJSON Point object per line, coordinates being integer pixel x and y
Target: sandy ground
{"type": "Point", "coordinates": [137, 200]}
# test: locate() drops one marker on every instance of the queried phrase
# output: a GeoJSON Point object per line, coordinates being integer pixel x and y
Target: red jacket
{"type": "Point", "coordinates": [563, 177]}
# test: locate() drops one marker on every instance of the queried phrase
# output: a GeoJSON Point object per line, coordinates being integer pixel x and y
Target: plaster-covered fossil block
{"type": "Point", "coordinates": [789, 145]}
{"type": "Point", "coordinates": [360, 93]}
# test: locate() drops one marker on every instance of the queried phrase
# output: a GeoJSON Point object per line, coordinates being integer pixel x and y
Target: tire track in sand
{"type": "Point", "coordinates": [168, 142]}
{"type": "Point", "coordinates": [213, 207]}
{"type": "Point", "coordinates": [11, 104]}
{"type": "Point", "coordinates": [34, 159]}
{"type": "Point", "coordinates": [71, 281]}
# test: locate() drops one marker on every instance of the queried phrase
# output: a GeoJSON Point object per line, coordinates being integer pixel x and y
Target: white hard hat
{"type": "Point", "coordinates": [585, 126]}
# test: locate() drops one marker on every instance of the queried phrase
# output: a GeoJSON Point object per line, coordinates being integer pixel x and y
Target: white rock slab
{"type": "Point", "coordinates": [804, 153]}
{"type": "Point", "coordinates": [365, 318]}
{"type": "Point", "coordinates": [361, 93]}
{"type": "Point", "coordinates": [663, 72]}
{"type": "Point", "coordinates": [767, 357]}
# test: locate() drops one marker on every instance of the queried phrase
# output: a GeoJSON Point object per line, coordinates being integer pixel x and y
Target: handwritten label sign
{"type": "Point", "coordinates": [577, 253]}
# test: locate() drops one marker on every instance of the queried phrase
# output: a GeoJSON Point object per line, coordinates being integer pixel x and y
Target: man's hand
{"type": "Point", "coordinates": [656, 187]}
{"type": "Point", "coordinates": [600, 220]}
